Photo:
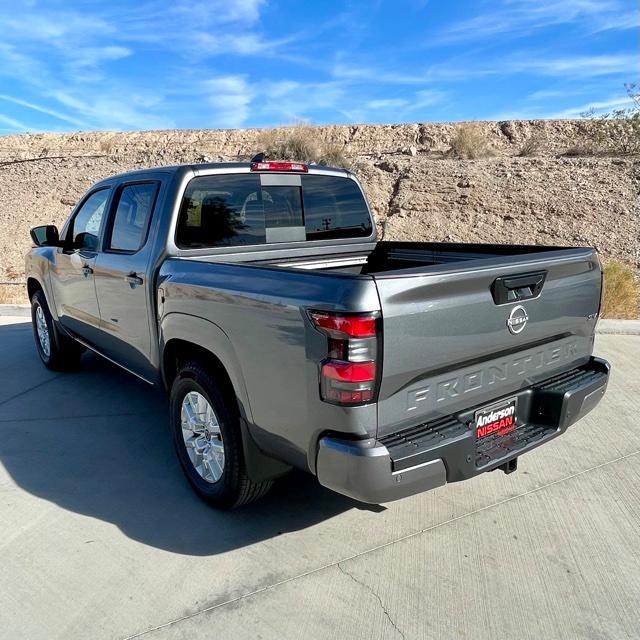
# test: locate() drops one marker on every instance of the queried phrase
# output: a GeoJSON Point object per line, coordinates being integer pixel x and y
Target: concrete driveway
{"type": "Point", "coordinates": [101, 537]}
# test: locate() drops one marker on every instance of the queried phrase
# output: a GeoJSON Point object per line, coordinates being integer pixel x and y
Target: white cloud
{"type": "Point", "coordinates": [569, 67]}
{"type": "Point", "coordinates": [621, 21]}
{"type": "Point", "coordinates": [229, 97]}
{"type": "Point", "coordinates": [13, 124]}
{"type": "Point", "coordinates": [404, 106]}
{"type": "Point", "coordinates": [63, 54]}
{"type": "Point", "coordinates": [428, 97]}
{"type": "Point", "coordinates": [225, 84]}
{"type": "Point", "coordinates": [203, 44]}
{"type": "Point", "coordinates": [289, 101]}
{"type": "Point", "coordinates": [582, 66]}
{"type": "Point", "coordinates": [45, 110]}
{"type": "Point", "coordinates": [215, 11]}
{"type": "Point", "coordinates": [282, 88]}
{"type": "Point", "coordinates": [53, 27]}
{"type": "Point", "coordinates": [534, 108]}
{"type": "Point", "coordinates": [94, 56]}
{"type": "Point", "coordinates": [65, 61]}
{"type": "Point", "coordinates": [108, 110]}
{"type": "Point", "coordinates": [348, 71]}
{"type": "Point", "coordinates": [597, 107]}
{"type": "Point", "coordinates": [15, 64]}
{"type": "Point", "coordinates": [546, 94]}
{"type": "Point", "coordinates": [511, 18]}
{"type": "Point", "coordinates": [391, 103]}
{"type": "Point", "coordinates": [466, 68]}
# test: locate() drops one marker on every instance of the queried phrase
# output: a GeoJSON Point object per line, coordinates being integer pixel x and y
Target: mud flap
{"type": "Point", "coordinates": [260, 466]}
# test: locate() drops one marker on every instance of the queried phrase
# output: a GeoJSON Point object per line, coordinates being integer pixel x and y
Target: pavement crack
{"type": "Point", "coordinates": [375, 594]}
{"type": "Point", "coordinates": [22, 393]}
{"type": "Point", "coordinates": [384, 545]}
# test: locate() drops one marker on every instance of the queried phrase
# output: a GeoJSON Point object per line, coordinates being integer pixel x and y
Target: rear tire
{"type": "Point", "coordinates": [206, 435]}
{"type": "Point", "coordinates": [56, 351]}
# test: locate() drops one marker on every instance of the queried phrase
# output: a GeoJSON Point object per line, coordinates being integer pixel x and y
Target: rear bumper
{"type": "Point", "coordinates": [429, 455]}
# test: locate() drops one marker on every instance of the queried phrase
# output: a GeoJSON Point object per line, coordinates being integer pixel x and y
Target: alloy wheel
{"type": "Point", "coordinates": [202, 436]}
{"type": "Point", "coordinates": [43, 331]}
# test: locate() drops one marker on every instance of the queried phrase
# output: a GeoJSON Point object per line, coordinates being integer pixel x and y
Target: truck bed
{"type": "Point", "coordinates": [446, 314]}
{"type": "Point", "coordinates": [389, 256]}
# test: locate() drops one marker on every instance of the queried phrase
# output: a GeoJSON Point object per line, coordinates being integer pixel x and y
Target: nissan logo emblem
{"type": "Point", "coordinates": [517, 319]}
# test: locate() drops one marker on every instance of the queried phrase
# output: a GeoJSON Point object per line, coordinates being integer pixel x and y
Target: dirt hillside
{"type": "Point", "coordinates": [418, 191]}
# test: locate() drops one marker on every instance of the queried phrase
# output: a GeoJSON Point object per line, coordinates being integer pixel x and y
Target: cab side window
{"type": "Point", "coordinates": [85, 229]}
{"type": "Point", "coordinates": [131, 219]}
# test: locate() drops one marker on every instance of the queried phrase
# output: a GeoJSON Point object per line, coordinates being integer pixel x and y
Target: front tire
{"type": "Point", "coordinates": [206, 435]}
{"type": "Point", "coordinates": [57, 352]}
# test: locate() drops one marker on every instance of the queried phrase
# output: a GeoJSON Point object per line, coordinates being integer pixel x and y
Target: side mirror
{"type": "Point", "coordinates": [46, 236]}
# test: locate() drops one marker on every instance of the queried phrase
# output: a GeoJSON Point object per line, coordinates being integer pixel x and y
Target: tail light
{"type": "Point", "coordinates": [349, 373]}
{"type": "Point", "coordinates": [298, 167]}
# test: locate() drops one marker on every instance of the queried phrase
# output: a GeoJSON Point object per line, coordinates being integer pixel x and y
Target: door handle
{"type": "Point", "coordinates": [87, 270]}
{"type": "Point", "coordinates": [133, 279]}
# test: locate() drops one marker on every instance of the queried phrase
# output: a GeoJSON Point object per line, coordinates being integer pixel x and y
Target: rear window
{"type": "Point", "coordinates": [232, 210]}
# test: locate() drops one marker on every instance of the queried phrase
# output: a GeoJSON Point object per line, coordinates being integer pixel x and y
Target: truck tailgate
{"type": "Point", "coordinates": [448, 344]}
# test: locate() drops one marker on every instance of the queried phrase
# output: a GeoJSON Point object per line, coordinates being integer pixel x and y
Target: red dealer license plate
{"type": "Point", "coordinates": [497, 420]}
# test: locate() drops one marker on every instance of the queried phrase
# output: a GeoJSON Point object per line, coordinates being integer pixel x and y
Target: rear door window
{"type": "Point", "coordinates": [234, 210]}
{"type": "Point", "coordinates": [132, 215]}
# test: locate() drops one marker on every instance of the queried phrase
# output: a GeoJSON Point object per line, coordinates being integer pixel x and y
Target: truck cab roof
{"type": "Point", "coordinates": [213, 167]}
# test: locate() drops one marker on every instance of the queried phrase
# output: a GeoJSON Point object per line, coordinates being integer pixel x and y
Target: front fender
{"type": "Point", "coordinates": [37, 267]}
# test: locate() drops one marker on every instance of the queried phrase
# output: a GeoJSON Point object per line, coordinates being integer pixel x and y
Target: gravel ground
{"type": "Point", "coordinates": [417, 192]}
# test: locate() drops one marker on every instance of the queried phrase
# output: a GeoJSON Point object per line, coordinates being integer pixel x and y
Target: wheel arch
{"type": "Point", "coordinates": [185, 337]}
{"type": "Point", "coordinates": [179, 351]}
{"type": "Point", "coordinates": [33, 285]}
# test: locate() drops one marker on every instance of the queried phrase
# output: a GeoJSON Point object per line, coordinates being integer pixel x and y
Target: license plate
{"type": "Point", "coordinates": [496, 420]}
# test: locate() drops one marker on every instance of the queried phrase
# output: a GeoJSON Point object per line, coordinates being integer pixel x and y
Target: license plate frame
{"type": "Point", "coordinates": [498, 419]}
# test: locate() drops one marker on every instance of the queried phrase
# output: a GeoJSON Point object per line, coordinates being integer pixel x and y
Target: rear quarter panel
{"type": "Point", "coordinates": [261, 310]}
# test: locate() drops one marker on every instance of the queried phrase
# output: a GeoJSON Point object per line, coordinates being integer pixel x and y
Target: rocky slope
{"type": "Point", "coordinates": [416, 190]}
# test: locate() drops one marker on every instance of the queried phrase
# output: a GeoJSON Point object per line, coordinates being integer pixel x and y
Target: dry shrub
{"type": "Point", "coordinates": [11, 273]}
{"type": "Point", "coordinates": [621, 292]}
{"type": "Point", "coordinates": [303, 143]}
{"type": "Point", "coordinates": [292, 143]}
{"type": "Point", "coordinates": [532, 146]}
{"type": "Point", "coordinates": [469, 142]}
{"type": "Point", "coordinates": [107, 145]}
{"type": "Point", "coordinates": [587, 148]}
{"type": "Point", "coordinates": [333, 155]}
{"type": "Point", "coordinates": [613, 133]}
{"type": "Point", "coordinates": [617, 133]}
{"type": "Point", "coordinates": [13, 294]}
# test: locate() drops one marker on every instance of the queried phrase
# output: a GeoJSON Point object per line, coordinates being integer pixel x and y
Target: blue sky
{"type": "Point", "coordinates": [68, 65]}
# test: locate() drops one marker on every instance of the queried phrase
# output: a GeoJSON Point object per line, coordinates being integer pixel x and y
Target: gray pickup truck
{"type": "Point", "coordinates": [257, 295]}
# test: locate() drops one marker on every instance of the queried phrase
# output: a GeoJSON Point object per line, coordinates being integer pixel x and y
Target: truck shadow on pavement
{"type": "Point", "coordinates": [96, 442]}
